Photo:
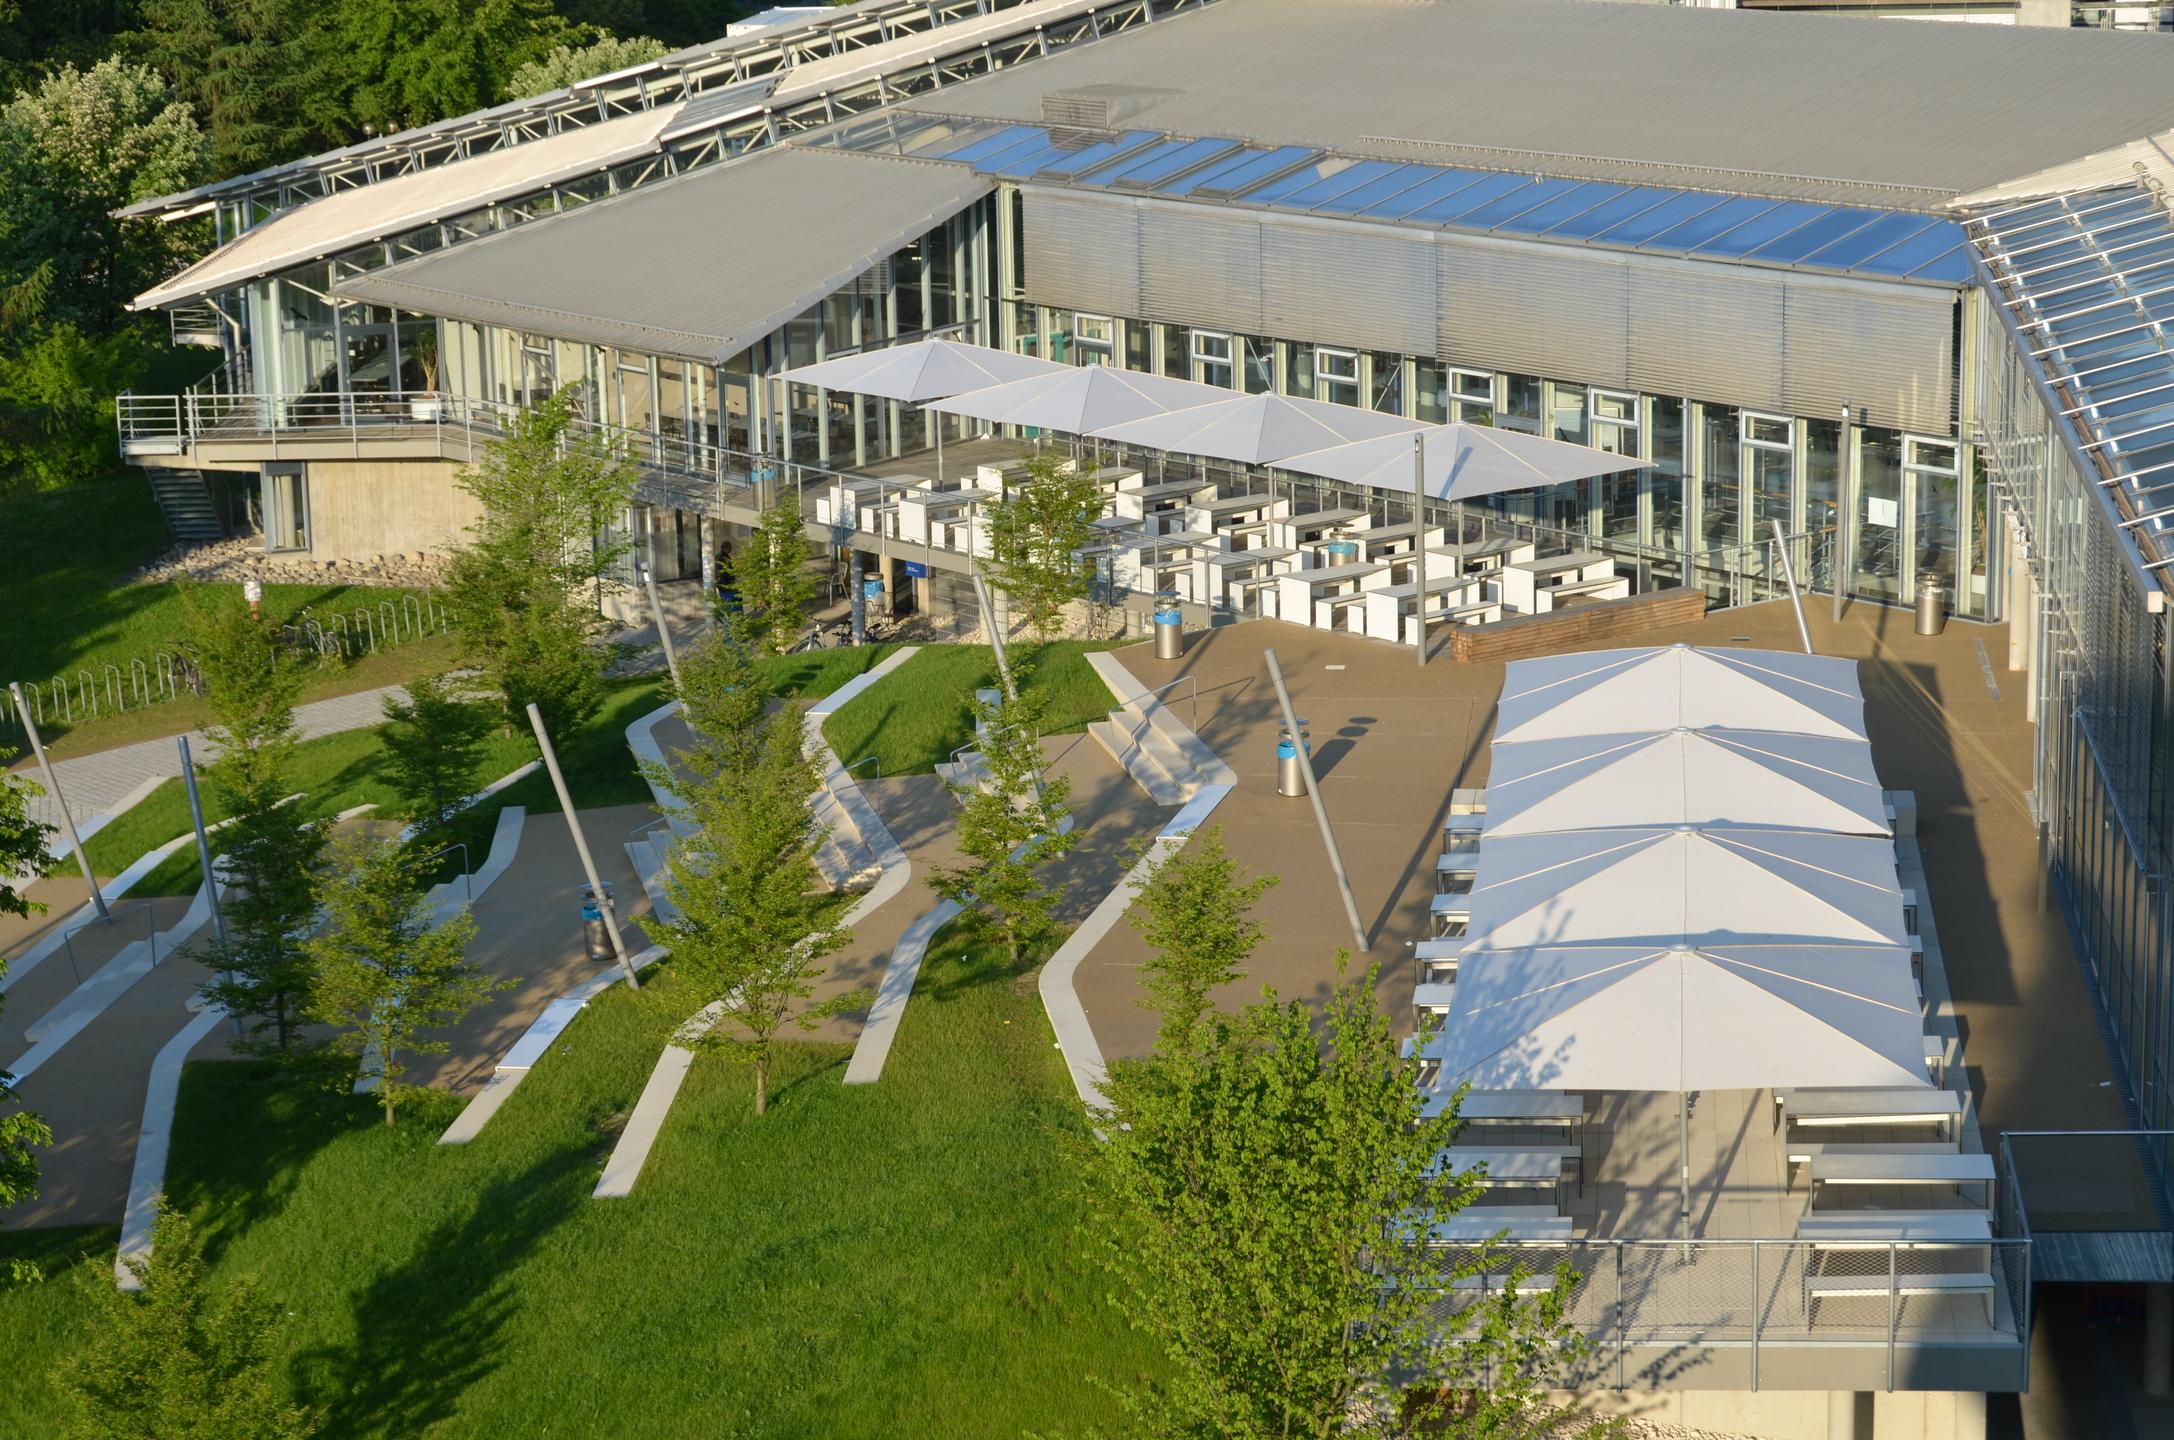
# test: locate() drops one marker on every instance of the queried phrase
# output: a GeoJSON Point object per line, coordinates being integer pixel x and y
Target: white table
{"type": "Point", "coordinates": [1484, 1222]}
{"type": "Point", "coordinates": [1848, 1106]}
{"type": "Point", "coordinates": [1878, 1229]}
{"type": "Point", "coordinates": [1800, 1152]}
{"type": "Point", "coordinates": [1432, 998]}
{"type": "Point", "coordinates": [1536, 1108]}
{"type": "Point", "coordinates": [1950, 1171]}
{"type": "Point", "coordinates": [1510, 1167]}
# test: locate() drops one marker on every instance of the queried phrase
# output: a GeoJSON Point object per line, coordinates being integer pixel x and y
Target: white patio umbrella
{"type": "Point", "coordinates": [1722, 1016]}
{"type": "Point", "coordinates": [1258, 429]}
{"type": "Point", "coordinates": [1080, 400]}
{"type": "Point", "coordinates": [1685, 886]}
{"type": "Point", "coordinates": [1613, 692]}
{"type": "Point", "coordinates": [1460, 462]}
{"type": "Point", "coordinates": [923, 371]}
{"type": "Point", "coordinates": [1685, 776]}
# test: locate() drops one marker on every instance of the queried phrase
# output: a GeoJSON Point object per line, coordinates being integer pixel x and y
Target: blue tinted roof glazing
{"type": "Point", "coordinates": [1609, 213]}
{"type": "Point", "coordinates": [1383, 187]}
{"type": "Point", "coordinates": [1860, 245]}
{"type": "Point", "coordinates": [1708, 225]}
{"type": "Point", "coordinates": [1753, 233]}
{"type": "Point", "coordinates": [1482, 192]}
{"type": "Point", "coordinates": [1514, 203]}
{"type": "Point", "coordinates": [1565, 206]}
{"type": "Point", "coordinates": [1162, 161]}
{"type": "Point", "coordinates": [1665, 216]}
{"type": "Point", "coordinates": [1247, 170]}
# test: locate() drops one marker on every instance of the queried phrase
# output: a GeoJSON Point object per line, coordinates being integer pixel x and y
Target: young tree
{"type": "Point", "coordinates": [725, 703]}
{"type": "Point", "coordinates": [568, 63]}
{"type": "Point", "coordinates": [516, 585]}
{"type": "Point", "coordinates": [22, 852]}
{"type": "Point", "coordinates": [1257, 1204]}
{"type": "Point", "coordinates": [753, 933]}
{"type": "Point", "coordinates": [434, 739]}
{"type": "Point", "coordinates": [271, 847]}
{"type": "Point", "coordinates": [1195, 909]}
{"type": "Point", "coordinates": [770, 572]}
{"type": "Point", "coordinates": [1009, 828]}
{"type": "Point", "coordinates": [381, 974]}
{"type": "Point", "coordinates": [1035, 538]}
{"type": "Point", "coordinates": [177, 1360]}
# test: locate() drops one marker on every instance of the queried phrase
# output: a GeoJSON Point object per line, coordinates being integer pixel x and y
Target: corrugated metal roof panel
{"type": "Point", "coordinates": [699, 266]}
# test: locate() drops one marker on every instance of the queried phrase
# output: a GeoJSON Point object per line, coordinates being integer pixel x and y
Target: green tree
{"type": "Point", "coordinates": [178, 1359]}
{"type": "Point", "coordinates": [22, 852]}
{"type": "Point", "coordinates": [380, 973]}
{"type": "Point", "coordinates": [1009, 826]}
{"type": "Point", "coordinates": [1195, 909]}
{"type": "Point", "coordinates": [752, 932]}
{"type": "Point", "coordinates": [567, 64]}
{"type": "Point", "coordinates": [1256, 1202]}
{"type": "Point", "coordinates": [515, 586]}
{"type": "Point", "coordinates": [1035, 538]}
{"type": "Point", "coordinates": [434, 740]}
{"type": "Point", "coordinates": [244, 67]}
{"type": "Point", "coordinates": [770, 572]}
{"type": "Point", "coordinates": [377, 68]}
{"type": "Point", "coordinates": [725, 704]}
{"type": "Point", "coordinates": [271, 847]}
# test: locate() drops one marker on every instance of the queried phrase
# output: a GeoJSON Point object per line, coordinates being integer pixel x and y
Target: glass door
{"type": "Point", "coordinates": [286, 508]}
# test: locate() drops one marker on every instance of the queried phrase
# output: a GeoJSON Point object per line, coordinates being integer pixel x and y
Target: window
{"type": "Point", "coordinates": [1665, 482]}
{"type": "Point", "coordinates": [1212, 359]}
{"type": "Point", "coordinates": [1096, 337]}
{"type": "Point", "coordinates": [1878, 562]}
{"type": "Point", "coordinates": [1430, 392]}
{"type": "Point", "coordinates": [1177, 352]}
{"type": "Point", "coordinates": [286, 508]}
{"type": "Point", "coordinates": [1566, 413]}
{"type": "Point", "coordinates": [1933, 477]}
{"type": "Point", "coordinates": [1613, 420]}
{"type": "Point", "coordinates": [1138, 355]}
{"type": "Point", "coordinates": [1822, 500]}
{"type": "Point", "coordinates": [1336, 373]}
{"type": "Point", "coordinates": [1718, 493]}
{"type": "Point", "coordinates": [1260, 374]}
{"type": "Point", "coordinates": [1474, 392]}
{"type": "Point", "coordinates": [1298, 371]}
{"type": "Point", "coordinates": [1387, 384]}
{"type": "Point", "coordinates": [1520, 404]}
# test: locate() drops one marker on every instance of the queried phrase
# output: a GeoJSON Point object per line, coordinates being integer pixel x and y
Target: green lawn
{"type": "Point", "coordinates": [920, 714]}
{"type": "Point", "coordinates": [891, 1260]}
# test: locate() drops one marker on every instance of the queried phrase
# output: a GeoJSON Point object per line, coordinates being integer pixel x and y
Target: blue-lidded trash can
{"type": "Point", "coordinates": [1342, 552]}
{"type": "Point", "coordinates": [1169, 629]}
{"type": "Point", "coordinates": [594, 937]}
{"type": "Point", "coordinates": [1290, 779]}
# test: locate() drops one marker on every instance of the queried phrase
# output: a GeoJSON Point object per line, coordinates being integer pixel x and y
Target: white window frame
{"type": "Point", "coordinates": [1472, 387]}
{"type": "Point", "coordinates": [1089, 343]}
{"type": "Point", "coordinates": [1205, 357]}
{"type": "Point", "coordinates": [1326, 381]}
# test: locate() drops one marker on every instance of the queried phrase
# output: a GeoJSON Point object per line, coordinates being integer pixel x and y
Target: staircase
{"type": "Point", "coordinates": [1161, 753]}
{"type": "Point", "coordinates": [969, 769]}
{"type": "Point", "coordinates": [185, 500]}
{"type": "Point", "coordinates": [845, 857]}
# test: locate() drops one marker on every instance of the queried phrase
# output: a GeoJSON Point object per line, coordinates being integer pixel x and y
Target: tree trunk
{"type": "Point", "coordinates": [762, 1086]}
{"type": "Point", "coordinates": [385, 1088]}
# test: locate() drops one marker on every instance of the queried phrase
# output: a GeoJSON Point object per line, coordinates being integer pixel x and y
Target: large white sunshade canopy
{"type": "Point", "coordinates": [1460, 462]}
{"type": "Point", "coordinates": [923, 371]}
{"type": "Point", "coordinates": [1720, 1017]}
{"type": "Point", "coordinates": [1741, 778]}
{"type": "Point", "coordinates": [1260, 429]}
{"type": "Point", "coordinates": [1683, 886]}
{"type": "Point", "coordinates": [1613, 692]}
{"type": "Point", "coordinates": [1081, 400]}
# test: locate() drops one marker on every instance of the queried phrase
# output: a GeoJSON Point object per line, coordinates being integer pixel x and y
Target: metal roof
{"type": "Point", "coordinates": [698, 266]}
{"type": "Point", "coordinates": [2088, 280]}
{"type": "Point", "coordinates": [1792, 106]}
{"type": "Point", "coordinates": [347, 218]}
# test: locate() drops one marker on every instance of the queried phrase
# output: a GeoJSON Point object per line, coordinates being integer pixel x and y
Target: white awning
{"type": "Point", "coordinates": [1461, 462]}
{"type": "Point", "coordinates": [1685, 886]}
{"type": "Point", "coordinates": [1685, 777]}
{"type": "Point", "coordinates": [923, 371]}
{"type": "Point", "coordinates": [1257, 429]}
{"type": "Point", "coordinates": [1722, 1017]}
{"type": "Point", "coordinates": [1612, 692]}
{"type": "Point", "coordinates": [1081, 399]}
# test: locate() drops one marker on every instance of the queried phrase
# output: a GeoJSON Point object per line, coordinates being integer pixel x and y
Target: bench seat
{"type": "Point", "coordinates": [1877, 1287]}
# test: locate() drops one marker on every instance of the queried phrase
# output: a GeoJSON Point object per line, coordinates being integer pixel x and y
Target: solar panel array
{"type": "Point", "coordinates": [1850, 240]}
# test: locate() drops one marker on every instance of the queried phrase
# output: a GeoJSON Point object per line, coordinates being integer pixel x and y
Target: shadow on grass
{"type": "Point", "coordinates": [830, 1068]}
{"type": "Point", "coordinates": [962, 957]}
{"type": "Point", "coordinates": [429, 1329]}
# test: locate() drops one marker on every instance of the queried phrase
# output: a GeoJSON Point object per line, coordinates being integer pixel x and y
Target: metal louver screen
{"type": "Point", "coordinates": [1706, 331]}
{"type": "Point", "coordinates": [1083, 252]}
{"type": "Point", "coordinates": [1888, 350]}
{"type": "Point", "coordinates": [1364, 287]}
{"type": "Point", "coordinates": [1540, 310]}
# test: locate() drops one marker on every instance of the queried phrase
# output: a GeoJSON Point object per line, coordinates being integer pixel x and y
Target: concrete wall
{"type": "Point", "coordinates": [362, 508]}
{"type": "Point", "coordinates": [1801, 1414]}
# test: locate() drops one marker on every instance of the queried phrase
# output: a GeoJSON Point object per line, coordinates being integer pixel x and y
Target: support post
{"type": "Point", "coordinates": [581, 845]}
{"type": "Point", "coordinates": [664, 631]}
{"type": "Point", "coordinates": [52, 787]}
{"type": "Point", "coordinates": [2158, 1339]}
{"type": "Point", "coordinates": [1320, 811]}
{"type": "Point", "coordinates": [203, 842]}
{"type": "Point", "coordinates": [996, 635]}
{"type": "Point", "coordinates": [1845, 496]}
{"type": "Point", "coordinates": [1789, 573]}
{"type": "Point", "coordinates": [1419, 540]}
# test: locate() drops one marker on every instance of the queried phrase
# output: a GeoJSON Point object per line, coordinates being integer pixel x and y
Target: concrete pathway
{"type": "Point", "coordinates": [111, 780]}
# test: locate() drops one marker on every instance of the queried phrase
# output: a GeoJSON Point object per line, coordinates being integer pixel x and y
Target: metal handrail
{"type": "Point", "coordinates": [468, 880]}
{"type": "Point", "coordinates": [150, 933]}
{"type": "Point", "coordinates": [873, 758]}
{"type": "Point", "coordinates": [1195, 679]}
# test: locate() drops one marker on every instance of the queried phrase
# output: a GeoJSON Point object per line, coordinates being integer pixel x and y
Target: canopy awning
{"type": "Point", "coordinates": [1650, 1018]}
{"type": "Point", "coordinates": [1081, 399]}
{"type": "Point", "coordinates": [1460, 462]}
{"type": "Point", "coordinates": [1685, 777]}
{"type": "Point", "coordinates": [1257, 429]}
{"type": "Point", "coordinates": [1685, 886]}
{"type": "Point", "coordinates": [699, 266]}
{"type": "Point", "coordinates": [924, 371]}
{"type": "Point", "coordinates": [1612, 692]}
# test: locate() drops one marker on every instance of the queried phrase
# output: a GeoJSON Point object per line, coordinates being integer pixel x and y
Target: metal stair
{"type": "Point", "coordinates": [185, 500]}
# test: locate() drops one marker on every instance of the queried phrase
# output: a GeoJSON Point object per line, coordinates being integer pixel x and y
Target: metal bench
{"type": "Point", "coordinates": [1803, 1152]}
{"type": "Point", "coordinates": [1882, 1287]}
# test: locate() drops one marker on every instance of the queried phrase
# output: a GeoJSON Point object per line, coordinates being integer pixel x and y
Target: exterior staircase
{"type": "Point", "coordinates": [969, 769]}
{"type": "Point", "coordinates": [185, 500]}
{"type": "Point", "coordinates": [845, 857]}
{"type": "Point", "coordinates": [1160, 751]}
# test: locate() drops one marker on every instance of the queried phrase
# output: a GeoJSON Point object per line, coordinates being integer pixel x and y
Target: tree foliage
{"type": "Point", "coordinates": [381, 974]}
{"type": "Point", "coordinates": [1010, 825]}
{"type": "Point", "coordinates": [1196, 910]}
{"type": "Point", "coordinates": [1255, 1203]}
{"type": "Point", "coordinates": [770, 572]}
{"type": "Point", "coordinates": [724, 702]}
{"type": "Point", "coordinates": [271, 848]}
{"type": "Point", "coordinates": [434, 740]}
{"type": "Point", "coordinates": [752, 932]}
{"type": "Point", "coordinates": [516, 587]}
{"type": "Point", "coordinates": [180, 1359]}
{"type": "Point", "coordinates": [1035, 538]}
{"type": "Point", "coordinates": [22, 852]}
{"type": "Point", "coordinates": [567, 64]}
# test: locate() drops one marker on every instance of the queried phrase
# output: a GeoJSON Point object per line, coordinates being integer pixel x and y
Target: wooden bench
{"type": "Point", "coordinates": [1878, 1287]}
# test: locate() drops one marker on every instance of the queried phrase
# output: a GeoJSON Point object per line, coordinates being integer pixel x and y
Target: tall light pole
{"type": "Point", "coordinates": [52, 788]}
{"type": "Point", "coordinates": [581, 844]}
{"type": "Point", "coordinates": [1313, 793]}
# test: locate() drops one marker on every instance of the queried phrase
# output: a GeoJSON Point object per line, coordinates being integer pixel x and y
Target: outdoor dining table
{"type": "Point", "coordinates": [1535, 1108]}
{"type": "Point", "coordinates": [1951, 1171]}
{"type": "Point", "coordinates": [1534, 1168]}
{"type": "Point", "coordinates": [1484, 1222]}
{"type": "Point", "coordinates": [1849, 1106]}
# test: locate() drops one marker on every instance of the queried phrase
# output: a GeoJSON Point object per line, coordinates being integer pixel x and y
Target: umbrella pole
{"type": "Point", "coordinates": [1683, 1156]}
{"type": "Point", "coordinates": [1419, 539]}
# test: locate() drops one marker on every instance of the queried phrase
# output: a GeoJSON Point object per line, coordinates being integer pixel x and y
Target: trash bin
{"type": "Point", "coordinates": [1169, 628]}
{"type": "Point", "coordinates": [1931, 605]}
{"type": "Point", "coordinates": [1290, 779]}
{"type": "Point", "coordinates": [1342, 552]}
{"type": "Point", "coordinates": [594, 936]}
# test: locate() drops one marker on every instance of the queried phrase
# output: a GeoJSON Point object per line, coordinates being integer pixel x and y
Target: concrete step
{"type": "Point", "coordinates": [1167, 755]}
{"type": "Point", "coordinates": [969, 772]}
{"type": "Point", "coordinates": [845, 863]}
{"type": "Point", "coordinates": [1123, 745]}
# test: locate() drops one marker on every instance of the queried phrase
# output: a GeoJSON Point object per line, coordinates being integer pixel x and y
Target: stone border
{"type": "Point", "coordinates": [154, 1141]}
{"type": "Point", "coordinates": [647, 1122]}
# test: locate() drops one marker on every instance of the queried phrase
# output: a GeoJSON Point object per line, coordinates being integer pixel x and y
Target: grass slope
{"type": "Point", "coordinates": [41, 1321]}
{"type": "Point", "coordinates": [920, 714]}
{"type": "Point", "coordinates": [891, 1260]}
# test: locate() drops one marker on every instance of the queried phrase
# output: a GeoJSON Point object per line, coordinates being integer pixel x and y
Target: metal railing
{"type": "Point", "coordinates": [2091, 14]}
{"type": "Point", "coordinates": [1635, 1301]}
{"type": "Point", "coordinates": [1194, 680]}
{"type": "Point", "coordinates": [467, 869]}
{"type": "Point", "coordinates": [67, 939]}
{"type": "Point", "coordinates": [876, 761]}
